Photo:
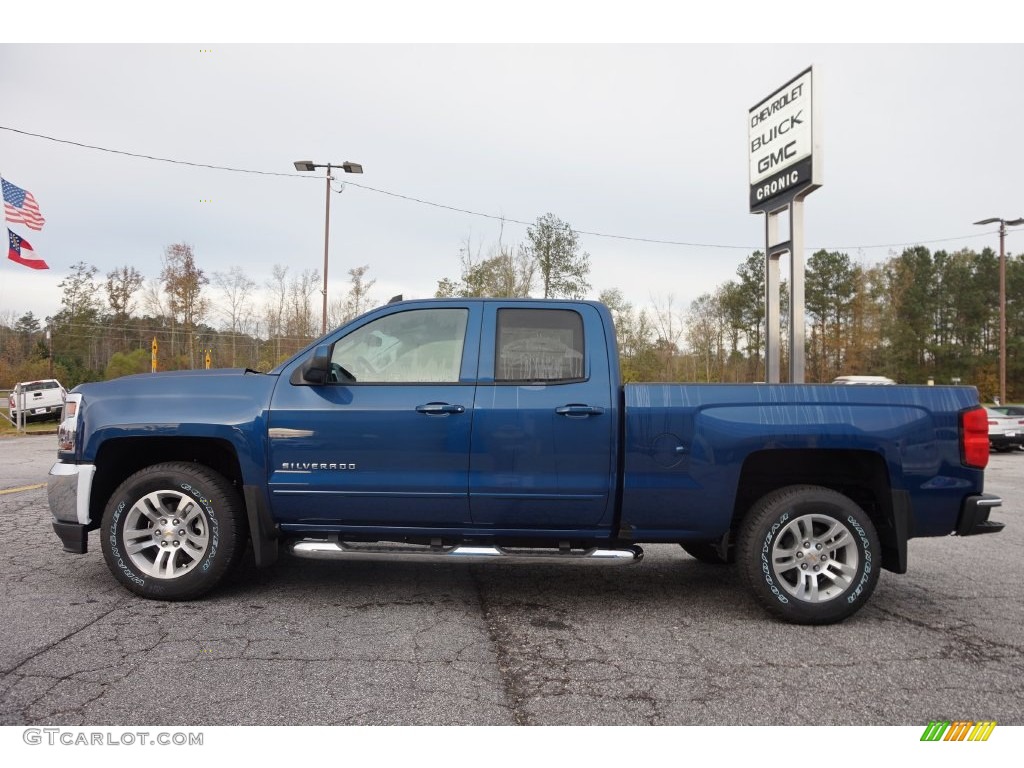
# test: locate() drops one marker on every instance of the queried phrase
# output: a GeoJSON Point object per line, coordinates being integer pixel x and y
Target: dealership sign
{"type": "Point", "coordinates": [783, 146]}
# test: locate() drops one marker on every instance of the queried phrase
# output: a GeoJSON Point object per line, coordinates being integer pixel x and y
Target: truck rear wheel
{"type": "Point", "coordinates": [809, 555]}
{"type": "Point", "coordinates": [172, 531]}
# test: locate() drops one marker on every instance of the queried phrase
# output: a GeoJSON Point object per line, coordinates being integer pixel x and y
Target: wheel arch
{"type": "Point", "coordinates": [862, 476]}
{"type": "Point", "coordinates": [118, 459]}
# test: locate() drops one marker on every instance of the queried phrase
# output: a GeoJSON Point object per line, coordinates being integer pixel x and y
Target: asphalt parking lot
{"type": "Point", "coordinates": [666, 642]}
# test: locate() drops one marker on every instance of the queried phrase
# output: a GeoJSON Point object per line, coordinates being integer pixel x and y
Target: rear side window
{"type": "Point", "coordinates": [539, 345]}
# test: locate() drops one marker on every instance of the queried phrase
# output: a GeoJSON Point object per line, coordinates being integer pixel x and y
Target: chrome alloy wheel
{"type": "Point", "coordinates": [166, 534]}
{"type": "Point", "coordinates": [815, 558]}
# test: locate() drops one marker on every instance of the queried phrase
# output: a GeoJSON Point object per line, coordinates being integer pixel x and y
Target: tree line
{"type": "Point", "coordinates": [106, 325]}
{"type": "Point", "coordinates": [915, 316]}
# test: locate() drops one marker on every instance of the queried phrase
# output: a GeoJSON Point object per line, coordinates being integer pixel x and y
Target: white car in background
{"type": "Point", "coordinates": [1004, 432]}
{"type": "Point", "coordinates": [870, 380]}
{"type": "Point", "coordinates": [43, 399]}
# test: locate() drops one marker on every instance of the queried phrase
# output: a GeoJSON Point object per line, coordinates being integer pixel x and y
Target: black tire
{"type": "Point", "coordinates": [173, 530]}
{"type": "Point", "coordinates": [809, 555]}
{"type": "Point", "coordinates": [708, 553]}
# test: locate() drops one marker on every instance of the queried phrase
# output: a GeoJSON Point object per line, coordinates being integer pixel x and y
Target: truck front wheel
{"type": "Point", "coordinates": [809, 555]}
{"type": "Point", "coordinates": [172, 531]}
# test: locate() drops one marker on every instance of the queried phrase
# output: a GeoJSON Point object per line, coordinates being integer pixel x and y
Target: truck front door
{"type": "Point", "coordinates": [385, 442]}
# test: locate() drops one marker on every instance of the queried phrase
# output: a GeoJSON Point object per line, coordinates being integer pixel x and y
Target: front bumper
{"type": "Point", "coordinates": [974, 515]}
{"type": "Point", "coordinates": [69, 488]}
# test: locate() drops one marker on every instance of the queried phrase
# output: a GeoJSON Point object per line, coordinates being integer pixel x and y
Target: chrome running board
{"type": "Point", "coordinates": [334, 549]}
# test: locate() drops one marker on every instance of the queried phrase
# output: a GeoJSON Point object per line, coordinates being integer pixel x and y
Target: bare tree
{"type": "Point", "coordinates": [300, 323]}
{"type": "Point", "coordinates": [638, 352]}
{"type": "Point", "coordinates": [507, 272]}
{"type": "Point", "coordinates": [235, 308]}
{"type": "Point", "coordinates": [121, 286]}
{"type": "Point", "coordinates": [515, 271]}
{"type": "Point", "coordinates": [706, 331]}
{"type": "Point", "coordinates": [277, 285]}
{"type": "Point", "coordinates": [358, 299]}
{"type": "Point", "coordinates": [153, 298]}
{"type": "Point", "coordinates": [668, 329]}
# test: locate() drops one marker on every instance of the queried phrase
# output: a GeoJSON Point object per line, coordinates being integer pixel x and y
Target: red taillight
{"type": "Point", "coordinates": [974, 437]}
{"type": "Point", "coordinates": [992, 422]}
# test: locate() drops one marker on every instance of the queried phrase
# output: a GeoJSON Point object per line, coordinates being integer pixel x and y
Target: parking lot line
{"type": "Point", "coordinates": [21, 488]}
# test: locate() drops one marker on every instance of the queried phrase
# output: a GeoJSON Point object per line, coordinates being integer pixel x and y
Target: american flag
{"type": "Point", "coordinates": [21, 252]}
{"type": "Point", "coordinates": [21, 207]}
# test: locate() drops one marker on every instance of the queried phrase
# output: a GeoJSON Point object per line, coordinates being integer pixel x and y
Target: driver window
{"type": "Point", "coordinates": [421, 345]}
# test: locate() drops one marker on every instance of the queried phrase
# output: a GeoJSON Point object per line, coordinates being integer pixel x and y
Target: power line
{"type": "Point", "coordinates": [410, 198]}
{"type": "Point", "coordinates": [531, 223]}
{"type": "Point", "coordinates": [88, 330]}
{"type": "Point", "coordinates": [146, 157]}
{"type": "Point", "coordinates": [646, 239]}
{"type": "Point", "coordinates": [904, 245]}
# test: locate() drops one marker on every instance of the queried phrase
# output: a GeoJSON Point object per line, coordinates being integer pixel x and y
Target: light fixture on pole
{"type": "Point", "coordinates": [347, 167]}
{"type": "Point", "coordinates": [1003, 224]}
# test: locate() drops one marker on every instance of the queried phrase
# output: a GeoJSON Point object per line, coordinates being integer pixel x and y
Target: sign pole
{"type": "Point", "coordinates": [797, 328]}
{"type": "Point", "coordinates": [784, 156]}
{"type": "Point", "coordinates": [771, 300]}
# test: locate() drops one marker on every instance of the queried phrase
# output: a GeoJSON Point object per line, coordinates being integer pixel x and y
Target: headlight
{"type": "Point", "coordinates": [69, 426]}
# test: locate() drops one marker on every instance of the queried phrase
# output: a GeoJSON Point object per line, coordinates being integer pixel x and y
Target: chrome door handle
{"type": "Point", "coordinates": [440, 409]}
{"type": "Point", "coordinates": [576, 409]}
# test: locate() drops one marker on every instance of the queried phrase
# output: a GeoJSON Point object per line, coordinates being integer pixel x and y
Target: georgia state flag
{"type": "Point", "coordinates": [21, 251]}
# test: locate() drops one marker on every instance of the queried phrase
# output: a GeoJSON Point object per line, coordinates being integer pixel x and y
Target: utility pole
{"type": "Point", "coordinates": [1003, 224]}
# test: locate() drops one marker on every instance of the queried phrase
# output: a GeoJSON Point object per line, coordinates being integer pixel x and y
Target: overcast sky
{"type": "Point", "coordinates": [644, 141]}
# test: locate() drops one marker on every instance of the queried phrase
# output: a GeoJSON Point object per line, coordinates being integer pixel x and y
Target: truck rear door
{"type": "Point", "coordinates": [543, 424]}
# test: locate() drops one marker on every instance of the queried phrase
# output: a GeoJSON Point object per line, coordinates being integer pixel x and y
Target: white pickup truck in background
{"type": "Point", "coordinates": [43, 399]}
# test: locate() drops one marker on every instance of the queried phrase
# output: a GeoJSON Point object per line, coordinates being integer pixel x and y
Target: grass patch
{"type": "Point", "coordinates": [7, 429]}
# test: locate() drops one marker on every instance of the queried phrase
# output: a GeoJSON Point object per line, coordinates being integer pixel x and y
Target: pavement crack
{"type": "Point", "coordinates": [512, 683]}
{"type": "Point", "coordinates": [117, 604]}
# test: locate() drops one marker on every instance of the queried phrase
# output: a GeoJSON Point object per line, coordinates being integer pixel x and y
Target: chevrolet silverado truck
{"type": "Point", "coordinates": [486, 430]}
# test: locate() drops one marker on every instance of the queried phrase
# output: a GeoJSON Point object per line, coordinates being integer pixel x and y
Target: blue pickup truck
{"type": "Point", "coordinates": [484, 430]}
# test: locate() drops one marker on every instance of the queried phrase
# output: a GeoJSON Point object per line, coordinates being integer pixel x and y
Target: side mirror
{"type": "Point", "coordinates": [318, 367]}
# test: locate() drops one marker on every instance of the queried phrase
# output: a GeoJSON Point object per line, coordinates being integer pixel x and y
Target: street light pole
{"type": "Point", "coordinates": [309, 165]}
{"type": "Point", "coordinates": [327, 239]}
{"type": "Point", "coordinates": [1003, 224]}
